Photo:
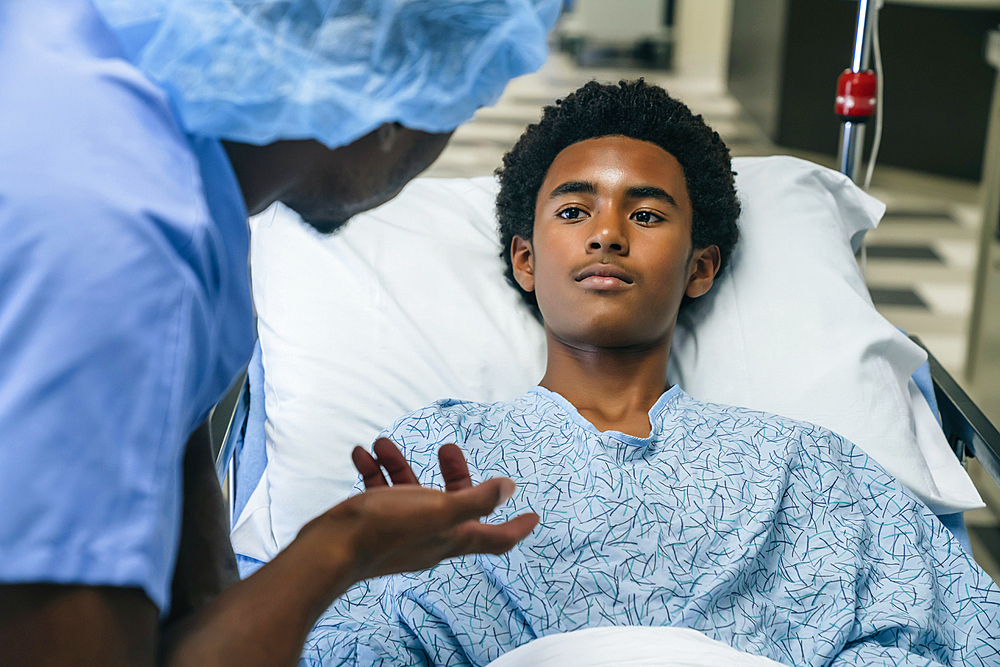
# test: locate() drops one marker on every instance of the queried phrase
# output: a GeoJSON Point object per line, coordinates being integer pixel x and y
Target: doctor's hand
{"type": "Point", "coordinates": [405, 527]}
{"type": "Point", "coordinates": [264, 619]}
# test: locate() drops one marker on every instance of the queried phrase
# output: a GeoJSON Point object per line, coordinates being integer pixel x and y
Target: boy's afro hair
{"type": "Point", "coordinates": [630, 109]}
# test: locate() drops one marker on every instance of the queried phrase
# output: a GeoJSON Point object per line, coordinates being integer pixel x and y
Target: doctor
{"type": "Point", "coordinates": [135, 137]}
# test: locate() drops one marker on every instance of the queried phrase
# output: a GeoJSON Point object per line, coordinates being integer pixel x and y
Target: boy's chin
{"type": "Point", "coordinates": [612, 338]}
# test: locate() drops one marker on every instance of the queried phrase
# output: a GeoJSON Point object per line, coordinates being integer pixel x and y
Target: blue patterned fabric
{"type": "Point", "coordinates": [776, 537]}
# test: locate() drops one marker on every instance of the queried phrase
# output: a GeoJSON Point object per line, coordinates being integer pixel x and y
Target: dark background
{"type": "Point", "coordinates": [786, 56]}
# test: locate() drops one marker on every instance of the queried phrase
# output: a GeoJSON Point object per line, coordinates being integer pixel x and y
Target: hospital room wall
{"type": "Point", "coordinates": [937, 83]}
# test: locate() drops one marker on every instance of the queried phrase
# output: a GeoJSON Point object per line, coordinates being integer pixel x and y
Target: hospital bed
{"type": "Point", "coordinates": [259, 508]}
{"type": "Point", "coordinates": [259, 513]}
{"type": "Point", "coordinates": [969, 433]}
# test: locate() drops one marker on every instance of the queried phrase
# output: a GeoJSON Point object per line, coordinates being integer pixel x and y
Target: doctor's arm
{"type": "Point", "coordinates": [265, 619]}
{"type": "Point", "coordinates": [387, 529]}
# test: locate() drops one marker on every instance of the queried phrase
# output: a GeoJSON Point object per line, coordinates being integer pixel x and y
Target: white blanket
{"type": "Point", "coordinates": [629, 646]}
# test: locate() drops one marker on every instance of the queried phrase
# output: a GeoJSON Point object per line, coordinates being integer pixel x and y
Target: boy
{"type": "Point", "coordinates": [776, 537]}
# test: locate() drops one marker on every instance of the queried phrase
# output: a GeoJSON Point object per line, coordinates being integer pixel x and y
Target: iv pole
{"type": "Point", "coordinates": [856, 93]}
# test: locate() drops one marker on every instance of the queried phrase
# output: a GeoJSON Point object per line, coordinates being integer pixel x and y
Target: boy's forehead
{"type": "Point", "coordinates": [614, 162]}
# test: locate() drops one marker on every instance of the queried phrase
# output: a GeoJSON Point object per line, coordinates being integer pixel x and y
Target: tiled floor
{"type": "Point", "coordinates": [919, 261]}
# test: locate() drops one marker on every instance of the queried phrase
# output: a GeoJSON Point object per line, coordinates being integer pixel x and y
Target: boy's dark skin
{"type": "Point", "coordinates": [619, 207]}
{"type": "Point", "coordinates": [264, 620]}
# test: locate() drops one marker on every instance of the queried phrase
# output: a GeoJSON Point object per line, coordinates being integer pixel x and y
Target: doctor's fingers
{"type": "Point", "coordinates": [454, 470]}
{"type": "Point", "coordinates": [368, 468]}
{"type": "Point", "coordinates": [474, 537]}
{"type": "Point", "coordinates": [478, 501]}
{"type": "Point", "coordinates": [388, 456]}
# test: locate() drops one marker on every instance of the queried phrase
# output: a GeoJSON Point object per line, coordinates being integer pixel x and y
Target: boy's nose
{"type": "Point", "coordinates": [608, 237]}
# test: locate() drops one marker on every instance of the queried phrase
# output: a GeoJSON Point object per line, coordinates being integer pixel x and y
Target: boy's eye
{"type": "Point", "coordinates": [645, 217]}
{"type": "Point", "coordinates": [571, 213]}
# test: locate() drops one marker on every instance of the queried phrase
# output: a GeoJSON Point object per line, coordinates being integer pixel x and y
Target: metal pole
{"type": "Point", "coordinates": [852, 137]}
{"type": "Point", "coordinates": [852, 134]}
{"type": "Point", "coordinates": [863, 35]}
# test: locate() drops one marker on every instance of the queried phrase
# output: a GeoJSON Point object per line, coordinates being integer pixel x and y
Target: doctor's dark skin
{"type": "Point", "coordinates": [215, 619]}
{"type": "Point", "coordinates": [609, 261]}
{"type": "Point", "coordinates": [327, 186]}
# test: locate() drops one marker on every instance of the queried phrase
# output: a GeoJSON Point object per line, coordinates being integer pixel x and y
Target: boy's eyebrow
{"type": "Point", "coordinates": [634, 192]}
{"type": "Point", "coordinates": [650, 192]}
{"type": "Point", "coordinates": [573, 187]}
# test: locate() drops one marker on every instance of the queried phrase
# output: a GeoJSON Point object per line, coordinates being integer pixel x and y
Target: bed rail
{"type": "Point", "coordinates": [969, 431]}
{"type": "Point", "coordinates": [225, 461]}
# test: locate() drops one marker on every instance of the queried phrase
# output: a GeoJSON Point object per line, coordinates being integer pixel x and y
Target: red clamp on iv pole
{"type": "Point", "coordinates": [857, 90]}
{"type": "Point", "coordinates": [856, 95]}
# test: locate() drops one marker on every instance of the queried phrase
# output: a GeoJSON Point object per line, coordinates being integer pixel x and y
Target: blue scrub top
{"type": "Point", "coordinates": [125, 307]}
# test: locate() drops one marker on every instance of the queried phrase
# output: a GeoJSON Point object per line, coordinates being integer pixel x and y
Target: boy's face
{"type": "Point", "coordinates": [611, 256]}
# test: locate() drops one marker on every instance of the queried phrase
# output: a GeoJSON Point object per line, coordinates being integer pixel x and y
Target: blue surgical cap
{"type": "Point", "coordinates": [332, 70]}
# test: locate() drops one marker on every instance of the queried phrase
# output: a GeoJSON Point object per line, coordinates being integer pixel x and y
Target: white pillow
{"type": "Point", "coordinates": [408, 305]}
{"type": "Point", "coordinates": [629, 646]}
{"type": "Point", "coordinates": [792, 330]}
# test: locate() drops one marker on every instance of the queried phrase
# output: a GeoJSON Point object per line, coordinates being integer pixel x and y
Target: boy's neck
{"type": "Point", "coordinates": [612, 388]}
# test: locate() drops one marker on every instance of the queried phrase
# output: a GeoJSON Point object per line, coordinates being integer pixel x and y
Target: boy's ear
{"type": "Point", "coordinates": [523, 260]}
{"type": "Point", "coordinates": [703, 267]}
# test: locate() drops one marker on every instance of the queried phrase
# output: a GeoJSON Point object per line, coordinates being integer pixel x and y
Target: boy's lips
{"type": "Point", "coordinates": [604, 276]}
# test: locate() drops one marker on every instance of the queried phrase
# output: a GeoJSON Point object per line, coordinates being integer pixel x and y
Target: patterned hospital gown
{"type": "Point", "coordinates": [774, 536]}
